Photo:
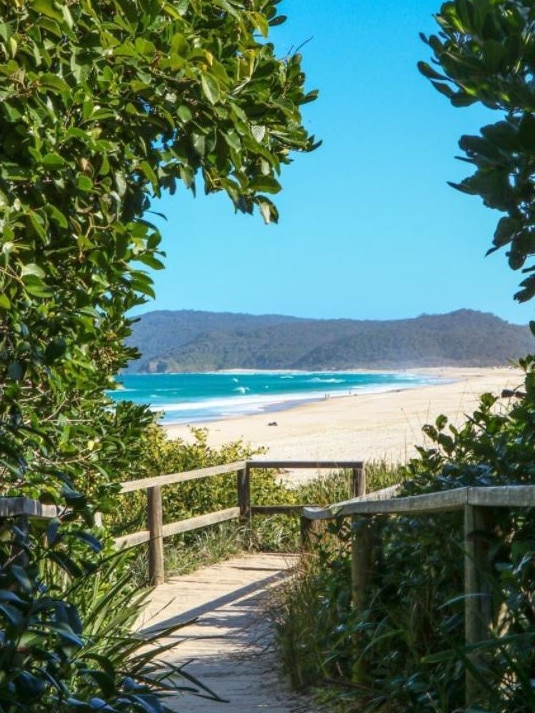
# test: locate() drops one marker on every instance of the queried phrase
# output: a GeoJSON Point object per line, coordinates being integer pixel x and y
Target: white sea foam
{"type": "Point", "coordinates": [331, 380]}
{"type": "Point", "coordinates": [212, 409]}
{"type": "Point", "coordinates": [239, 400]}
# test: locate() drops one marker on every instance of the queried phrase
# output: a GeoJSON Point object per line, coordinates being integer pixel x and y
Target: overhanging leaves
{"type": "Point", "coordinates": [486, 53]}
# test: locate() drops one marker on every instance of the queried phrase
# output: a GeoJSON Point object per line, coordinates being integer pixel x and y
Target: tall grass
{"type": "Point", "coordinates": [312, 614]}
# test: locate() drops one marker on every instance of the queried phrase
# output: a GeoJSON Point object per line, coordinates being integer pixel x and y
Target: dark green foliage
{"type": "Point", "coordinates": [66, 618]}
{"type": "Point", "coordinates": [313, 618]}
{"type": "Point", "coordinates": [411, 636]}
{"type": "Point", "coordinates": [485, 52]}
{"type": "Point", "coordinates": [200, 341]}
{"type": "Point", "coordinates": [104, 106]}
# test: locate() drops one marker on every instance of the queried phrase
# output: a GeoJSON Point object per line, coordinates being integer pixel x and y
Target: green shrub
{"type": "Point", "coordinates": [160, 455]}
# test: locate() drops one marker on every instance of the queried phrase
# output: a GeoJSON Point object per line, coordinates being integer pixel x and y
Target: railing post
{"type": "Point", "coordinates": [477, 596]}
{"type": "Point", "coordinates": [361, 546]}
{"type": "Point", "coordinates": [308, 528]}
{"type": "Point", "coordinates": [361, 565]}
{"type": "Point", "coordinates": [244, 501]}
{"type": "Point", "coordinates": [155, 524]}
{"type": "Point", "coordinates": [358, 482]}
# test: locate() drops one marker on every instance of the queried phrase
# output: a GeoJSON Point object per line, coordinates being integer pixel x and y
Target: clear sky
{"type": "Point", "coordinates": [369, 228]}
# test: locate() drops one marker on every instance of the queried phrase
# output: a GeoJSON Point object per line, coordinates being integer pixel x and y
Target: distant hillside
{"type": "Point", "coordinates": [208, 341]}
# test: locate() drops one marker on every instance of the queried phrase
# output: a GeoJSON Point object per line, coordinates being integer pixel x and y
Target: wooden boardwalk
{"type": "Point", "coordinates": [230, 645]}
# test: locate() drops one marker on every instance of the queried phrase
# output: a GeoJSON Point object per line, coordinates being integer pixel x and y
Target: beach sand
{"type": "Point", "coordinates": [370, 426]}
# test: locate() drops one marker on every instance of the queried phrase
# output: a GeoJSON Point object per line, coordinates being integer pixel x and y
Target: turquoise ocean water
{"type": "Point", "coordinates": [196, 398]}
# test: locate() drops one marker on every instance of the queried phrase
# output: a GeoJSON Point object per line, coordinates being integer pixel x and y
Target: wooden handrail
{"type": "Point", "coordinates": [314, 464]}
{"type": "Point", "coordinates": [445, 500]}
{"type": "Point", "coordinates": [156, 531]}
{"type": "Point", "coordinates": [473, 500]}
{"type": "Point", "coordinates": [158, 480]}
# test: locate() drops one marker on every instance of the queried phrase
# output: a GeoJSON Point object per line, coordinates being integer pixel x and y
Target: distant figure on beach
{"type": "Point", "coordinates": [273, 423]}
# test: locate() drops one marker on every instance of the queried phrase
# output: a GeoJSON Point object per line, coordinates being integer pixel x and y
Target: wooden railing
{"type": "Point", "coordinates": [473, 501]}
{"type": "Point", "coordinates": [243, 510]}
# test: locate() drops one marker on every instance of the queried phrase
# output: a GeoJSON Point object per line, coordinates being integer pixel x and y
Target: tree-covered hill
{"type": "Point", "coordinates": [205, 341]}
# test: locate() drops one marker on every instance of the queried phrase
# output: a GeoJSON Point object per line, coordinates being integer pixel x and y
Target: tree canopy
{"type": "Point", "coordinates": [486, 53]}
{"type": "Point", "coordinates": [104, 106]}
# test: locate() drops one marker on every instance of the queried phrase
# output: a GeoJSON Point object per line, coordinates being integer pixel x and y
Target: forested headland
{"type": "Point", "coordinates": [186, 340]}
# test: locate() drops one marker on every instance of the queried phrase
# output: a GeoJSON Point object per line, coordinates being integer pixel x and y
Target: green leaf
{"type": "Point", "coordinates": [84, 183]}
{"type": "Point", "coordinates": [150, 174]}
{"type": "Point", "coordinates": [143, 284]}
{"type": "Point", "coordinates": [56, 215]}
{"type": "Point", "coordinates": [179, 44]}
{"type": "Point", "coordinates": [66, 634]}
{"type": "Point", "coordinates": [444, 89]}
{"type": "Point", "coordinates": [38, 225]}
{"type": "Point", "coordinates": [258, 132]}
{"type": "Point", "coordinates": [150, 261]}
{"type": "Point", "coordinates": [22, 578]}
{"type": "Point", "coordinates": [429, 72]}
{"type": "Point", "coordinates": [35, 286]}
{"type": "Point", "coordinates": [504, 231]}
{"type": "Point", "coordinates": [12, 615]}
{"type": "Point", "coordinates": [210, 88]}
{"type": "Point", "coordinates": [32, 269]}
{"type": "Point", "coordinates": [94, 542]}
{"type": "Point", "coordinates": [199, 143]}
{"type": "Point", "coordinates": [278, 20]}
{"type": "Point", "coordinates": [261, 23]}
{"type": "Point", "coordinates": [53, 161]}
{"type": "Point", "coordinates": [267, 210]}
{"type": "Point", "coordinates": [46, 7]}
{"type": "Point", "coordinates": [265, 184]}
{"type": "Point", "coordinates": [184, 113]}
{"type": "Point", "coordinates": [7, 596]}
{"type": "Point", "coordinates": [52, 81]}
{"type": "Point", "coordinates": [120, 182]}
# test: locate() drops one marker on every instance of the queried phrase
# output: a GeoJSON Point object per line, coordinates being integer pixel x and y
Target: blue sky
{"type": "Point", "coordinates": [369, 228]}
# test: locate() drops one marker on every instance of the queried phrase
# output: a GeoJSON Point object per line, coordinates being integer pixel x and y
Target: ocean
{"type": "Point", "coordinates": [199, 397]}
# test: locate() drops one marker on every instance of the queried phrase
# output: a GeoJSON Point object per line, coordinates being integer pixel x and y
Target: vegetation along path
{"type": "Point", "coordinates": [230, 644]}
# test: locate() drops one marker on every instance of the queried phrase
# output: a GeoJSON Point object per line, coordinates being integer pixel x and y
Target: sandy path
{"type": "Point", "coordinates": [230, 645]}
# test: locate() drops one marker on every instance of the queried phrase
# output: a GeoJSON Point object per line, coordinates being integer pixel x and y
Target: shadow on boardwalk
{"type": "Point", "coordinates": [230, 644]}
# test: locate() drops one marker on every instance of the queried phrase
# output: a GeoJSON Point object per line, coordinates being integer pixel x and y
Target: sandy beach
{"type": "Point", "coordinates": [368, 426]}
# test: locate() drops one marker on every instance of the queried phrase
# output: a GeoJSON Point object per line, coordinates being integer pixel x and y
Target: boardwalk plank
{"type": "Point", "coordinates": [230, 645]}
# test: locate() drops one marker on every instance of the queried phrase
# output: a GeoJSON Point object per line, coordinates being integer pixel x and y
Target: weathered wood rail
{"type": "Point", "coordinates": [473, 501]}
{"type": "Point", "coordinates": [243, 510]}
